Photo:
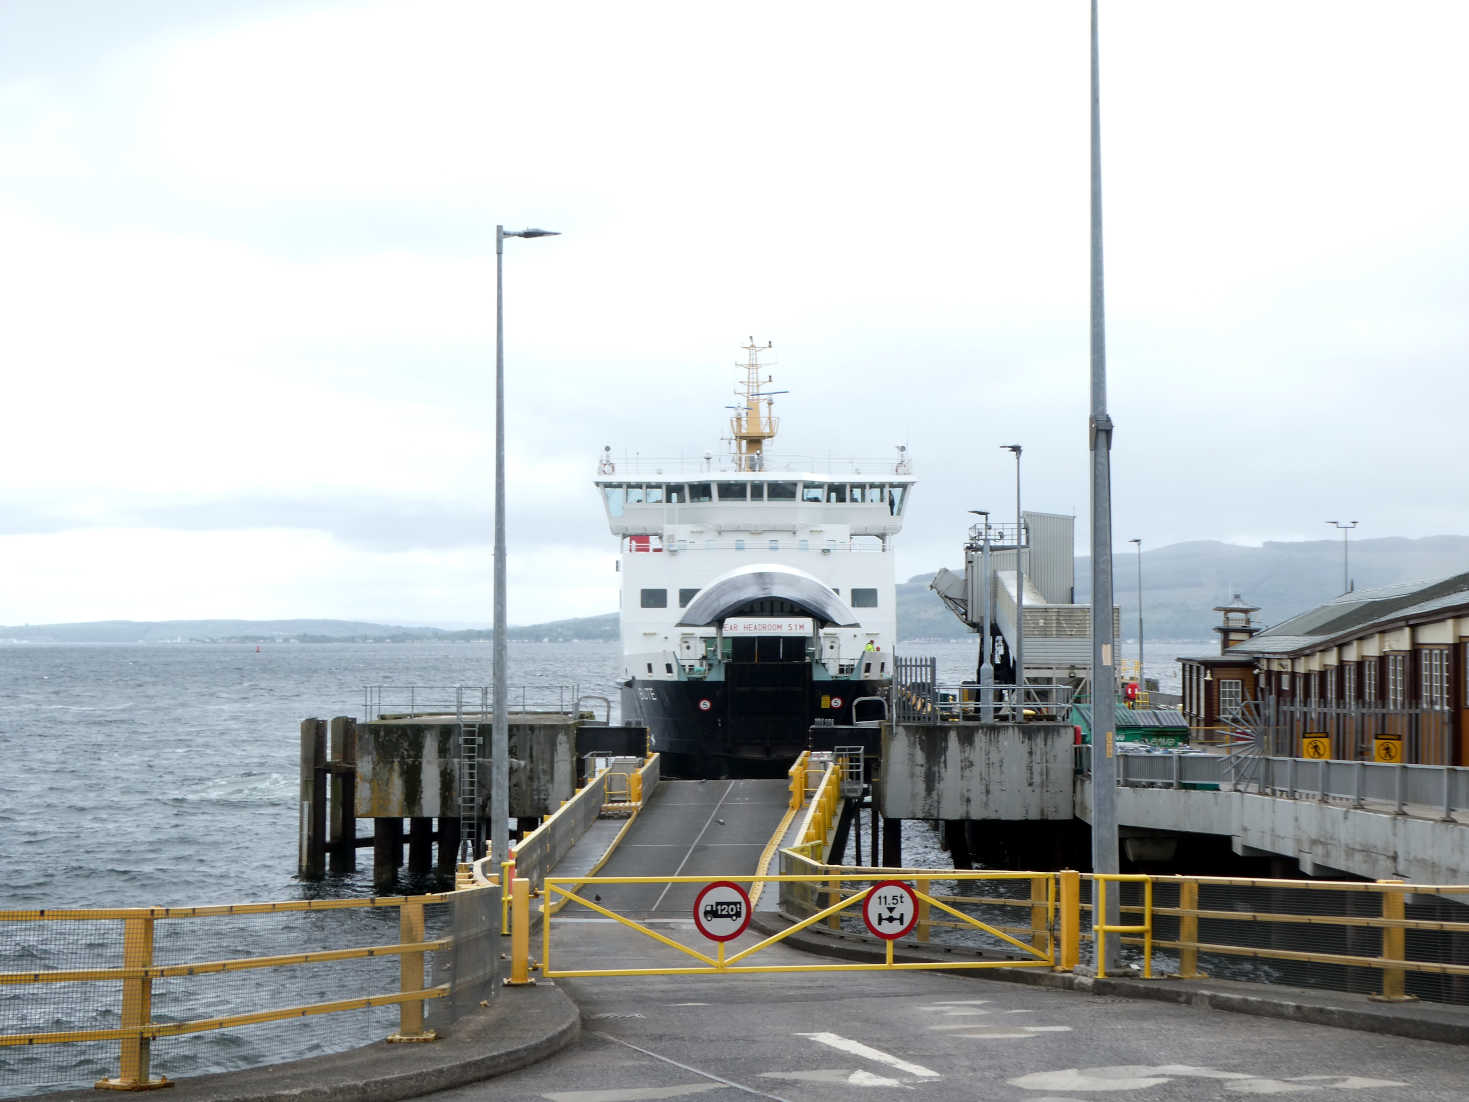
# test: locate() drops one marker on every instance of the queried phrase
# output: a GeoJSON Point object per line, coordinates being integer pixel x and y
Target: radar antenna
{"type": "Point", "coordinates": [751, 425]}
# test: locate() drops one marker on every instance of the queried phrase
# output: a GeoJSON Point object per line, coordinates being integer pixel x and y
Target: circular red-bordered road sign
{"type": "Point", "coordinates": [722, 911]}
{"type": "Point", "coordinates": [890, 909]}
{"type": "Point", "coordinates": [836, 702]}
{"type": "Point", "coordinates": [705, 704]}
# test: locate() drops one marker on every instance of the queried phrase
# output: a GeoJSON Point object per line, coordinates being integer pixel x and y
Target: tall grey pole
{"type": "Point", "coordinates": [1019, 656]}
{"type": "Point", "coordinates": [1104, 681]}
{"type": "Point", "coordinates": [986, 668]}
{"type": "Point", "coordinates": [500, 730]}
{"type": "Point", "coordinates": [1142, 678]}
{"type": "Point", "coordinates": [1345, 526]}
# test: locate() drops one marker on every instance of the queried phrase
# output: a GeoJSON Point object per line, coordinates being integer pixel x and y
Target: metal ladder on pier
{"type": "Point", "coordinates": [469, 790]}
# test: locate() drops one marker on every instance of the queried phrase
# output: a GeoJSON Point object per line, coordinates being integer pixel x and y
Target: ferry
{"type": "Point", "coordinates": [758, 597]}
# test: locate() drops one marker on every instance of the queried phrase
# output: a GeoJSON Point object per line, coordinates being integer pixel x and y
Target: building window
{"type": "Point", "coordinates": [1331, 685]}
{"type": "Point", "coordinates": [685, 596]}
{"type": "Point", "coordinates": [1369, 681]}
{"type": "Point", "coordinates": [1349, 683]}
{"type": "Point", "coordinates": [655, 598]}
{"type": "Point", "coordinates": [1435, 678]}
{"type": "Point", "coordinates": [864, 598]}
{"type": "Point", "coordinates": [1395, 680]}
{"type": "Point", "coordinates": [1231, 697]}
{"type": "Point", "coordinates": [739, 545]}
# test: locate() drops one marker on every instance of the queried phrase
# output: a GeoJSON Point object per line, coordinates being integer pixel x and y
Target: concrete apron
{"type": "Point", "coordinates": [1419, 1020]}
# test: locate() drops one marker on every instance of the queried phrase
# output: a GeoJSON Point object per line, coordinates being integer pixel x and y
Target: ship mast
{"type": "Point", "coordinates": [751, 426]}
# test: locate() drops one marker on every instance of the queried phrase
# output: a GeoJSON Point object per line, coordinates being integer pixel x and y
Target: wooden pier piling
{"type": "Point", "coordinates": [342, 829]}
{"type": "Point", "coordinates": [420, 846]}
{"type": "Point", "coordinates": [387, 851]}
{"type": "Point", "coordinates": [311, 860]}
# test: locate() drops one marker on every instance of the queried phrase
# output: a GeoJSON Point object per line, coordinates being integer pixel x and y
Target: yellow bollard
{"type": "Point", "coordinates": [519, 934]}
{"type": "Point", "coordinates": [1394, 944]}
{"type": "Point", "coordinates": [410, 977]}
{"type": "Point", "coordinates": [137, 1009]}
{"type": "Point", "coordinates": [1188, 931]}
{"type": "Point", "coordinates": [1070, 920]}
{"type": "Point", "coordinates": [635, 788]}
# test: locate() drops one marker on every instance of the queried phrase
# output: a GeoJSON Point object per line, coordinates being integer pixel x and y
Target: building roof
{"type": "Point", "coordinates": [1359, 613]}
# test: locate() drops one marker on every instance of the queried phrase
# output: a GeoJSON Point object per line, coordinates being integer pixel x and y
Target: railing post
{"type": "Point", "coordinates": [410, 973]}
{"type": "Point", "coordinates": [137, 1009]}
{"type": "Point", "coordinates": [1099, 923]}
{"type": "Point", "coordinates": [1070, 884]}
{"type": "Point", "coordinates": [1188, 930]}
{"type": "Point", "coordinates": [1394, 942]}
{"type": "Point", "coordinates": [519, 933]}
{"type": "Point", "coordinates": [833, 896]}
{"type": "Point", "coordinates": [1040, 926]}
{"type": "Point", "coordinates": [635, 788]}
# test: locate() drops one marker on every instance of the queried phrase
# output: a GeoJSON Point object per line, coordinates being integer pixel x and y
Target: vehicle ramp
{"type": "Point", "coordinates": [708, 828]}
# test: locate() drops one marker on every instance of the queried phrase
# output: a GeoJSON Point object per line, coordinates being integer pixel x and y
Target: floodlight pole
{"type": "Point", "coordinates": [1018, 658]}
{"type": "Point", "coordinates": [1345, 526]}
{"type": "Point", "coordinates": [500, 730]}
{"type": "Point", "coordinates": [1142, 678]}
{"type": "Point", "coordinates": [1104, 680]}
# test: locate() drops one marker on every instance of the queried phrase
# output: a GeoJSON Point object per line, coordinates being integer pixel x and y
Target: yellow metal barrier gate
{"type": "Point", "coordinates": [1040, 903]}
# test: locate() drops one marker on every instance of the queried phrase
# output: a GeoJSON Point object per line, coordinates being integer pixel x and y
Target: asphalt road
{"type": "Point", "coordinates": [922, 1035]}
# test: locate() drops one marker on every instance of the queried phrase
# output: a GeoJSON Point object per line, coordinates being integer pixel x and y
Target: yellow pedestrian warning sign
{"type": "Point", "coordinates": [1388, 748]}
{"type": "Point", "coordinates": [1317, 747]}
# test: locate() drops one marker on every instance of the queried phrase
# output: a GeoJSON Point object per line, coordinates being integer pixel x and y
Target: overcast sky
{"type": "Point", "coordinates": [248, 278]}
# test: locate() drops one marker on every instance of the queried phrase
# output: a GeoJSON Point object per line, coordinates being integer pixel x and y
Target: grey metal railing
{"type": "Point", "coordinates": [918, 697]}
{"type": "Point", "coordinates": [1440, 790]}
{"type": "Point", "coordinates": [472, 701]}
{"type": "Point", "coordinates": [1425, 735]}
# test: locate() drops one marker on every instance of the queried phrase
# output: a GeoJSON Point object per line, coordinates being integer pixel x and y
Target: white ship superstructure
{"type": "Point", "coordinates": [758, 592]}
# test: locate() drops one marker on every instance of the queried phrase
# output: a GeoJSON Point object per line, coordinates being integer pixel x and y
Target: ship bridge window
{"type": "Point", "coordinates": [685, 596]}
{"type": "Point", "coordinates": [780, 491]}
{"type": "Point", "coordinates": [700, 491]}
{"type": "Point", "coordinates": [813, 491]}
{"type": "Point", "coordinates": [858, 495]}
{"type": "Point", "coordinates": [654, 495]}
{"type": "Point", "coordinates": [732, 491]}
{"type": "Point", "coordinates": [676, 493]}
{"type": "Point", "coordinates": [837, 494]}
{"type": "Point", "coordinates": [634, 495]}
{"type": "Point", "coordinates": [895, 500]}
{"type": "Point", "coordinates": [864, 598]}
{"type": "Point", "coordinates": [615, 496]}
{"type": "Point", "coordinates": [654, 598]}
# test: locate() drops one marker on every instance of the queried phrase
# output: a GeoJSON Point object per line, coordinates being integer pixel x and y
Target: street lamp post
{"type": "Point", "coordinates": [1142, 680]}
{"type": "Point", "coordinates": [1104, 685]}
{"type": "Point", "coordinates": [1345, 526]}
{"type": "Point", "coordinates": [986, 668]}
{"type": "Point", "coordinates": [1019, 657]}
{"type": "Point", "coordinates": [500, 731]}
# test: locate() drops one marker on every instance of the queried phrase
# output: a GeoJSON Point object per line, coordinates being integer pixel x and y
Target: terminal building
{"type": "Point", "coordinates": [1379, 674]}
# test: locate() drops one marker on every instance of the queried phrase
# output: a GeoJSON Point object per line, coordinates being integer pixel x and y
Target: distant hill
{"type": "Point", "coordinates": [296, 631]}
{"type": "Point", "coordinates": [1181, 585]}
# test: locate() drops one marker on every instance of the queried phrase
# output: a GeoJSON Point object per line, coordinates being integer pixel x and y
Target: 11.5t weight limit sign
{"type": "Point", "coordinates": [890, 909]}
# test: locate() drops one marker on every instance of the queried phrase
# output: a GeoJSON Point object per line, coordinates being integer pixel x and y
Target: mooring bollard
{"type": "Point", "coordinates": [519, 933]}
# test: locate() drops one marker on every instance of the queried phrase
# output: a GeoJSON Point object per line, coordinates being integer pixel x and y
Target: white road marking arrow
{"type": "Point", "coordinates": [866, 1052]}
{"type": "Point", "coordinates": [845, 1076]}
